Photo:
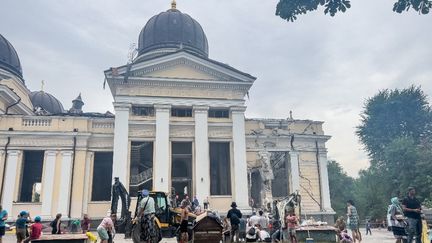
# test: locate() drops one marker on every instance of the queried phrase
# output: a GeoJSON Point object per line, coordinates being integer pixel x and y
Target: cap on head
{"type": "Point", "coordinates": [38, 219]}
{"type": "Point", "coordinates": [145, 193]}
{"type": "Point", "coordinates": [23, 213]}
{"type": "Point", "coordinates": [233, 204]}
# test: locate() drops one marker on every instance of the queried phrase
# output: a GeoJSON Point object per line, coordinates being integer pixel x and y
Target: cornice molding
{"type": "Point", "coordinates": [176, 83]}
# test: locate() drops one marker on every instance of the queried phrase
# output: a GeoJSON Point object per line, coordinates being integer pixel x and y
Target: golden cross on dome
{"type": "Point", "coordinates": [173, 4]}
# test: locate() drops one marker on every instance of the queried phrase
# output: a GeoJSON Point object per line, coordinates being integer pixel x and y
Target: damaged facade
{"type": "Point", "coordinates": [179, 127]}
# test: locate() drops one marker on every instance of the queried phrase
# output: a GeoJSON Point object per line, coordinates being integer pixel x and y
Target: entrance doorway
{"type": "Point", "coordinates": [181, 169]}
{"type": "Point", "coordinates": [256, 188]}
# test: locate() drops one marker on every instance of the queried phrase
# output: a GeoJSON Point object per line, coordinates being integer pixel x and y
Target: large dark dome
{"type": "Point", "coordinates": [9, 58]}
{"type": "Point", "coordinates": [46, 101]}
{"type": "Point", "coordinates": [173, 30]}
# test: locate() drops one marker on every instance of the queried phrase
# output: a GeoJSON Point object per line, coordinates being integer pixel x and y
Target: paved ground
{"type": "Point", "coordinates": [378, 236]}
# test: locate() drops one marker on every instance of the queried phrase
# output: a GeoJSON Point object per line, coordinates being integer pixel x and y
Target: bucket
{"type": "Point", "coordinates": [309, 240]}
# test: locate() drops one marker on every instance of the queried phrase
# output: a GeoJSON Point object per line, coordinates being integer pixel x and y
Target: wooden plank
{"type": "Point", "coordinates": [62, 237]}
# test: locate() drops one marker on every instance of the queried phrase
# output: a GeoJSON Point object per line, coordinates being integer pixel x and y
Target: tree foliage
{"type": "Point", "coordinates": [371, 196]}
{"type": "Point", "coordinates": [396, 130]}
{"type": "Point", "coordinates": [341, 187]}
{"type": "Point", "coordinates": [290, 9]}
{"type": "Point", "coordinates": [393, 114]}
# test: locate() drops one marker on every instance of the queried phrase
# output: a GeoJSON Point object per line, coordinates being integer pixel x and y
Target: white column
{"type": "Point", "coordinates": [121, 143]}
{"type": "Point", "coordinates": [9, 182]}
{"type": "Point", "coordinates": [295, 172]}
{"type": "Point", "coordinates": [86, 191]}
{"type": "Point", "coordinates": [65, 183]}
{"type": "Point", "coordinates": [202, 156]}
{"type": "Point", "coordinates": [48, 184]}
{"type": "Point", "coordinates": [240, 164]}
{"type": "Point", "coordinates": [325, 189]}
{"type": "Point", "coordinates": [161, 162]}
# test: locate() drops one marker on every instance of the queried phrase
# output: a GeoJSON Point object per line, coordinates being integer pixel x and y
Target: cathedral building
{"type": "Point", "coordinates": [178, 127]}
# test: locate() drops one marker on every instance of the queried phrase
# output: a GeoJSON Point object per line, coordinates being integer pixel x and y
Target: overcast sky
{"type": "Point", "coordinates": [321, 68]}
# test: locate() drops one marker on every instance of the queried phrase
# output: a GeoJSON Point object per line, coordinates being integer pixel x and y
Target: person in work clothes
{"type": "Point", "coordinates": [412, 210]}
{"type": "Point", "coordinates": [234, 215]}
{"type": "Point", "coordinates": [106, 226]}
{"type": "Point", "coordinates": [3, 218]}
{"type": "Point", "coordinates": [353, 218]}
{"type": "Point", "coordinates": [21, 226]}
{"type": "Point", "coordinates": [146, 211]}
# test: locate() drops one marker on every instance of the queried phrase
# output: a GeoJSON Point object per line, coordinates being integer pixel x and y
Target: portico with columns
{"type": "Point", "coordinates": [177, 108]}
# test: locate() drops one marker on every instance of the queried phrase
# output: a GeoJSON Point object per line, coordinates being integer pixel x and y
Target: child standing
{"type": "Point", "coordinates": [368, 228]}
{"type": "Point", "coordinates": [85, 224]}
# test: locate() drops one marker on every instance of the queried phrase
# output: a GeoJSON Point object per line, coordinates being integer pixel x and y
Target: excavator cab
{"type": "Point", "coordinates": [162, 208]}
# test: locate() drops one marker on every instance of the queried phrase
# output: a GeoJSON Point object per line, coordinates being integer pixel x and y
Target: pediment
{"type": "Point", "coordinates": [182, 66]}
{"type": "Point", "coordinates": [178, 71]}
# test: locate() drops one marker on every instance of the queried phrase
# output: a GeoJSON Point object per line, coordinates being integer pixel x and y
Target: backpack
{"type": "Point", "coordinates": [235, 219]}
{"type": "Point", "coordinates": [251, 231]}
{"type": "Point", "coordinates": [53, 223]}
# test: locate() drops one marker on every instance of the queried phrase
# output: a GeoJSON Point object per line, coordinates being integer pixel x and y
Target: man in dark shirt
{"type": "Point", "coordinates": [234, 215]}
{"type": "Point", "coordinates": [412, 210]}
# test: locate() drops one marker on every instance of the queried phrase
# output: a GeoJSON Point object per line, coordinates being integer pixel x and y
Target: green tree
{"type": "Point", "coordinates": [341, 187]}
{"type": "Point", "coordinates": [393, 114]}
{"type": "Point", "coordinates": [371, 196]}
{"type": "Point", "coordinates": [290, 9]}
{"type": "Point", "coordinates": [396, 130]}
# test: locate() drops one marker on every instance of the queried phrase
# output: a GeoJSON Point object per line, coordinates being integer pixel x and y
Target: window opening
{"type": "Point", "coordinates": [141, 168]}
{"type": "Point", "coordinates": [143, 111]}
{"type": "Point", "coordinates": [181, 172]}
{"type": "Point", "coordinates": [102, 176]}
{"type": "Point", "coordinates": [181, 112]}
{"type": "Point", "coordinates": [279, 164]}
{"type": "Point", "coordinates": [31, 178]}
{"type": "Point", "coordinates": [220, 173]}
{"type": "Point", "coordinates": [218, 113]}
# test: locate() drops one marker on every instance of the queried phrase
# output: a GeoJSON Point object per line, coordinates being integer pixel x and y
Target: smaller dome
{"type": "Point", "coordinates": [9, 58]}
{"type": "Point", "coordinates": [46, 101]}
